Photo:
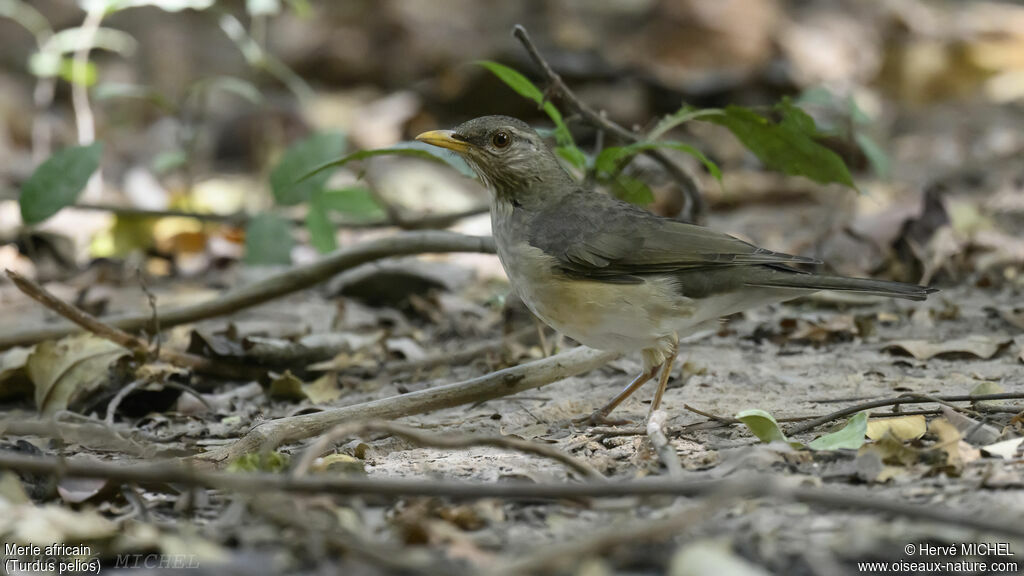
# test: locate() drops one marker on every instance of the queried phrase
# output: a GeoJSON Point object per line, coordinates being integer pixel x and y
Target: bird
{"type": "Point", "coordinates": [612, 275]}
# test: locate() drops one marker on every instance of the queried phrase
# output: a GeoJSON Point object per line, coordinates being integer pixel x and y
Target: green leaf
{"type": "Point", "coordinates": [515, 81]}
{"type": "Point", "coordinates": [274, 462]}
{"type": "Point", "coordinates": [397, 150]}
{"type": "Point", "coordinates": [764, 426]}
{"type": "Point", "coordinates": [67, 72]}
{"type": "Point", "coordinates": [299, 160]}
{"type": "Point", "coordinates": [682, 116]}
{"type": "Point", "coordinates": [850, 437]}
{"type": "Point", "coordinates": [268, 240]}
{"type": "Point", "coordinates": [58, 181]}
{"type": "Point", "coordinates": [876, 156]}
{"type": "Point", "coordinates": [356, 202]}
{"type": "Point", "coordinates": [572, 155]}
{"type": "Point", "coordinates": [787, 146]}
{"type": "Point", "coordinates": [443, 154]}
{"type": "Point", "coordinates": [817, 96]}
{"type": "Point", "coordinates": [528, 90]}
{"type": "Point", "coordinates": [632, 190]}
{"type": "Point", "coordinates": [318, 222]}
{"type": "Point", "coordinates": [169, 160]}
{"type": "Point", "coordinates": [165, 5]}
{"type": "Point", "coordinates": [618, 154]}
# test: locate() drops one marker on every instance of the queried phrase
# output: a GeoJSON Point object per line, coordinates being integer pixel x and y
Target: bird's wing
{"type": "Point", "coordinates": [596, 236]}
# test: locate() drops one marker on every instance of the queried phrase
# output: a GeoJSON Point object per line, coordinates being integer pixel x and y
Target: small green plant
{"type": "Point", "coordinates": [789, 145]}
{"type": "Point", "coordinates": [846, 120]}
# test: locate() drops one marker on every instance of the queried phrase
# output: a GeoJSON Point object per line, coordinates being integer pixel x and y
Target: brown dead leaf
{"type": "Point", "coordinates": [891, 450]}
{"type": "Point", "coordinates": [836, 328]}
{"type": "Point", "coordinates": [902, 428]}
{"type": "Point", "coordinates": [324, 389]}
{"type": "Point", "coordinates": [976, 345]}
{"type": "Point", "coordinates": [14, 381]}
{"type": "Point", "coordinates": [67, 371]}
{"type": "Point", "coordinates": [958, 452]}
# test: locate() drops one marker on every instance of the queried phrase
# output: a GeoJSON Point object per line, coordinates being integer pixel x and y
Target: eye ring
{"type": "Point", "coordinates": [501, 139]}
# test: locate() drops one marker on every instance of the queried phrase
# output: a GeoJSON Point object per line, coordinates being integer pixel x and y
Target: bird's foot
{"type": "Point", "coordinates": [600, 418]}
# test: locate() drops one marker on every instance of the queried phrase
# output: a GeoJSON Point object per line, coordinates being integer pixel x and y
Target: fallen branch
{"type": "Point", "coordinates": [87, 432]}
{"type": "Point", "coordinates": [448, 440]}
{"type": "Point", "coordinates": [696, 208]}
{"type": "Point", "coordinates": [897, 401]}
{"type": "Point", "coordinates": [287, 282]}
{"type": "Point", "coordinates": [138, 346]}
{"type": "Point", "coordinates": [273, 433]}
{"type": "Point", "coordinates": [460, 356]}
{"type": "Point", "coordinates": [423, 222]}
{"type": "Point", "coordinates": [992, 521]}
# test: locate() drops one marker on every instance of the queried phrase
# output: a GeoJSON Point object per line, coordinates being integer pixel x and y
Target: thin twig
{"type": "Point", "coordinates": [273, 433]}
{"type": "Point", "coordinates": [899, 400]}
{"type": "Point", "coordinates": [289, 281]}
{"type": "Point", "coordinates": [666, 452]}
{"type": "Point", "coordinates": [448, 440]}
{"type": "Point", "coordinates": [115, 402]}
{"type": "Point", "coordinates": [135, 345]}
{"type": "Point", "coordinates": [155, 322]}
{"type": "Point", "coordinates": [749, 486]}
{"type": "Point", "coordinates": [696, 208]}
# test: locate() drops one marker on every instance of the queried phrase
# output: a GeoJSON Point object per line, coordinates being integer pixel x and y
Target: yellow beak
{"type": "Point", "coordinates": [444, 139]}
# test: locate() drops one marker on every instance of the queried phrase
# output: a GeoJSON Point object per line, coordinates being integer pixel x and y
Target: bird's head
{"type": "Point", "coordinates": [508, 156]}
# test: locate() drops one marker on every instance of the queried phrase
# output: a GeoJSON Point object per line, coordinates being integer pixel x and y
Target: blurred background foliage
{"type": "Point", "coordinates": [205, 118]}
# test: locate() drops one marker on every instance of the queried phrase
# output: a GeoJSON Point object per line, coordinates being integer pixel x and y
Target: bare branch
{"type": "Point", "coordinates": [749, 486]}
{"type": "Point", "coordinates": [136, 345]}
{"type": "Point", "coordinates": [899, 400]}
{"type": "Point", "coordinates": [696, 208]}
{"type": "Point", "coordinates": [450, 439]}
{"type": "Point", "coordinates": [287, 282]}
{"type": "Point", "coordinates": [273, 433]}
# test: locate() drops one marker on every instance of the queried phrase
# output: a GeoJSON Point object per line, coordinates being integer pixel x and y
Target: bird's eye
{"type": "Point", "coordinates": [501, 139]}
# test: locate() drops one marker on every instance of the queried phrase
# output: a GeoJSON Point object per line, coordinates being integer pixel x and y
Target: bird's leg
{"type": "Point", "coordinates": [666, 371]}
{"type": "Point", "coordinates": [600, 416]}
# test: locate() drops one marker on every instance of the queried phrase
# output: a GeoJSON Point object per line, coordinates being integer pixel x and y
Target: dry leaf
{"type": "Point", "coordinates": [14, 381]}
{"type": "Point", "coordinates": [289, 387]}
{"type": "Point", "coordinates": [1007, 449]}
{"type": "Point", "coordinates": [839, 327]}
{"type": "Point", "coordinates": [711, 557]}
{"type": "Point", "coordinates": [68, 370]}
{"type": "Point", "coordinates": [892, 451]}
{"type": "Point", "coordinates": [976, 345]}
{"type": "Point", "coordinates": [901, 428]}
{"type": "Point", "coordinates": [958, 452]}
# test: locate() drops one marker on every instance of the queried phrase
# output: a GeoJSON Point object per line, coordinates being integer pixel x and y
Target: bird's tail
{"type": "Point", "coordinates": [785, 279]}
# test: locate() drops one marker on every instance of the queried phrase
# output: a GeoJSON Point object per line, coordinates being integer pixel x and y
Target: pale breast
{"type": "Point", "coordinates": [599, 314]}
